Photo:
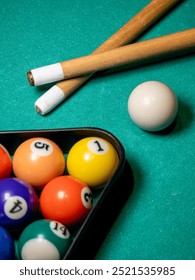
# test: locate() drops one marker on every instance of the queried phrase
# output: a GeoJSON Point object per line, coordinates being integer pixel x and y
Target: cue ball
{"type": "Point", "coordinates": [37, 161]}
{"type": "Point", "coordinates": [66, 199]}
{"type": "Point", "coordinates": [7, 247]}
{"type": "Point", "coordinates": [152, 105]}
{"type": "Point", "coordinates": [92, 160]}
{"type": "Point", "coordinates": [18, 203]}
{"type": "Point", "coordinates": [44, 240]}
{"type": "Point", "coordinates": [5, 163]}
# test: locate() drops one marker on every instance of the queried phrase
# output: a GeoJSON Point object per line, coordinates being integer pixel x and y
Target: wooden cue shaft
{"type": "Point", "coordinates": [126, 34]}
{"type": "Point", "coordinates": [133, 54]}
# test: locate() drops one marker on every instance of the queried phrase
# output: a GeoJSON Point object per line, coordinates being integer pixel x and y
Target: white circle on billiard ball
{"type": "Point", "coordinates": [97, 146]}
{"type": "Point", "coordinates": [39, 249]}
{"type": "Point", "coordinates": [59, 229]}
{"type": "Point", "coordinates": [87, 198]}
{"type": "Point", "coordinates": [15, 207]}
{"type": "Point", "coordinates": [41, 147]}
{"type": "Point", "coordinates": [152, 105]}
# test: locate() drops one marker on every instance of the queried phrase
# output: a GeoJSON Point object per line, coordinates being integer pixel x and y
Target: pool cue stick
{"type": "Point", "coordinates": [136, 54]}
{"type": "Point", "coordinates": [126, 34]}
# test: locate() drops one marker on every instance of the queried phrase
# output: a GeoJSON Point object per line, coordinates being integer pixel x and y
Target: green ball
{"type": "Point", "coordinates": [17, 255]}
{"type": "Point", "coordinates": [44, 240]}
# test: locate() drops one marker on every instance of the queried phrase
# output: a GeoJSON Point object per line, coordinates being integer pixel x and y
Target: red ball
{"type": "Point", "coordinates": [66, 199]}
{"type": "Point", "coordinates": [5, 163]}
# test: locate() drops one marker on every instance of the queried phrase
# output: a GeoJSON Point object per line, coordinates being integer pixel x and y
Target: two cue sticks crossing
{"type": "Point", "coordinates": [126, 34]}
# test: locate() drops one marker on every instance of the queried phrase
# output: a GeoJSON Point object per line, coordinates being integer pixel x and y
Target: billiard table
{"type": "Point", "coordinates": [156, 221]}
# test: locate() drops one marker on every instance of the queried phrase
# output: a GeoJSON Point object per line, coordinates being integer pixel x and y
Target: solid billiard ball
{"type": "Point", "coordinates": [44, 240]}
{"type": "Point", "coordinates": [5, 163]}
{"type": "Point", "coordinates": [18, 203]}
{"type": "Point", "coordinates": [92, 160]}
{"type": "Point", "coordinates": [152, 105]}
{"type": "Point", "coordinates": [37, 161]}
{"type": "Point", "coordinates": [66, 199]}
{"type": "Point", "coordinates": [7, 247]}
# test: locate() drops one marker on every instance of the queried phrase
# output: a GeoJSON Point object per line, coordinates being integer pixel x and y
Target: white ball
{"type": "Point", "coordinates": [152, 106]}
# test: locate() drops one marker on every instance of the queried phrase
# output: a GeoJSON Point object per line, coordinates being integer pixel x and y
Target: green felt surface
{"type": "Point", "coordinates": [158, 221]}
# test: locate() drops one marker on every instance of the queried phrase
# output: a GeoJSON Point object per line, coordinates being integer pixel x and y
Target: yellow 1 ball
{"type": "Point", "coordinates": [93, 160]}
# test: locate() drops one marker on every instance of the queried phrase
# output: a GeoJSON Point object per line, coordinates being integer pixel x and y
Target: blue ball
{"type": "Point", "coordinates": [7, 247]}
{"type": "Point", "coordinates": [18, 203]}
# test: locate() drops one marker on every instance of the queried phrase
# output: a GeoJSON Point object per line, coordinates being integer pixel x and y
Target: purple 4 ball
{"type": "Point", "coordinates": [18, 203]}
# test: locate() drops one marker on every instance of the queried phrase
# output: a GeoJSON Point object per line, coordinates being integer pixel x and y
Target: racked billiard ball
{"type": "Point", "coordinates": [92, 160]}
{"type": "Point", "coordinates": [5, 163]}
{"type": "Point", "coordinates": [7, 247]}
{"type": "Point", "coordinates": [66, 199]}
{"type": "Point", "coordinates": [37, 161]}
{"type": "Point", "coordinates": [18, 203]}
{"type": "Point", "coordinates": [44, 240]}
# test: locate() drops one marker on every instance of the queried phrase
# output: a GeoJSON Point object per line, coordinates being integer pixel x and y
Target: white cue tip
{"type": "Point", "coordinates": [49, 100]}
{"type": "Point", "coordinates": [46, 74]}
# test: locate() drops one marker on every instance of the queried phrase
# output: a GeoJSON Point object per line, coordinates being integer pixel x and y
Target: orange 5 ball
{"type": "Point", "coordinates": [66, 199]}
{"type": "Point", "coordinates": [37, 161]}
